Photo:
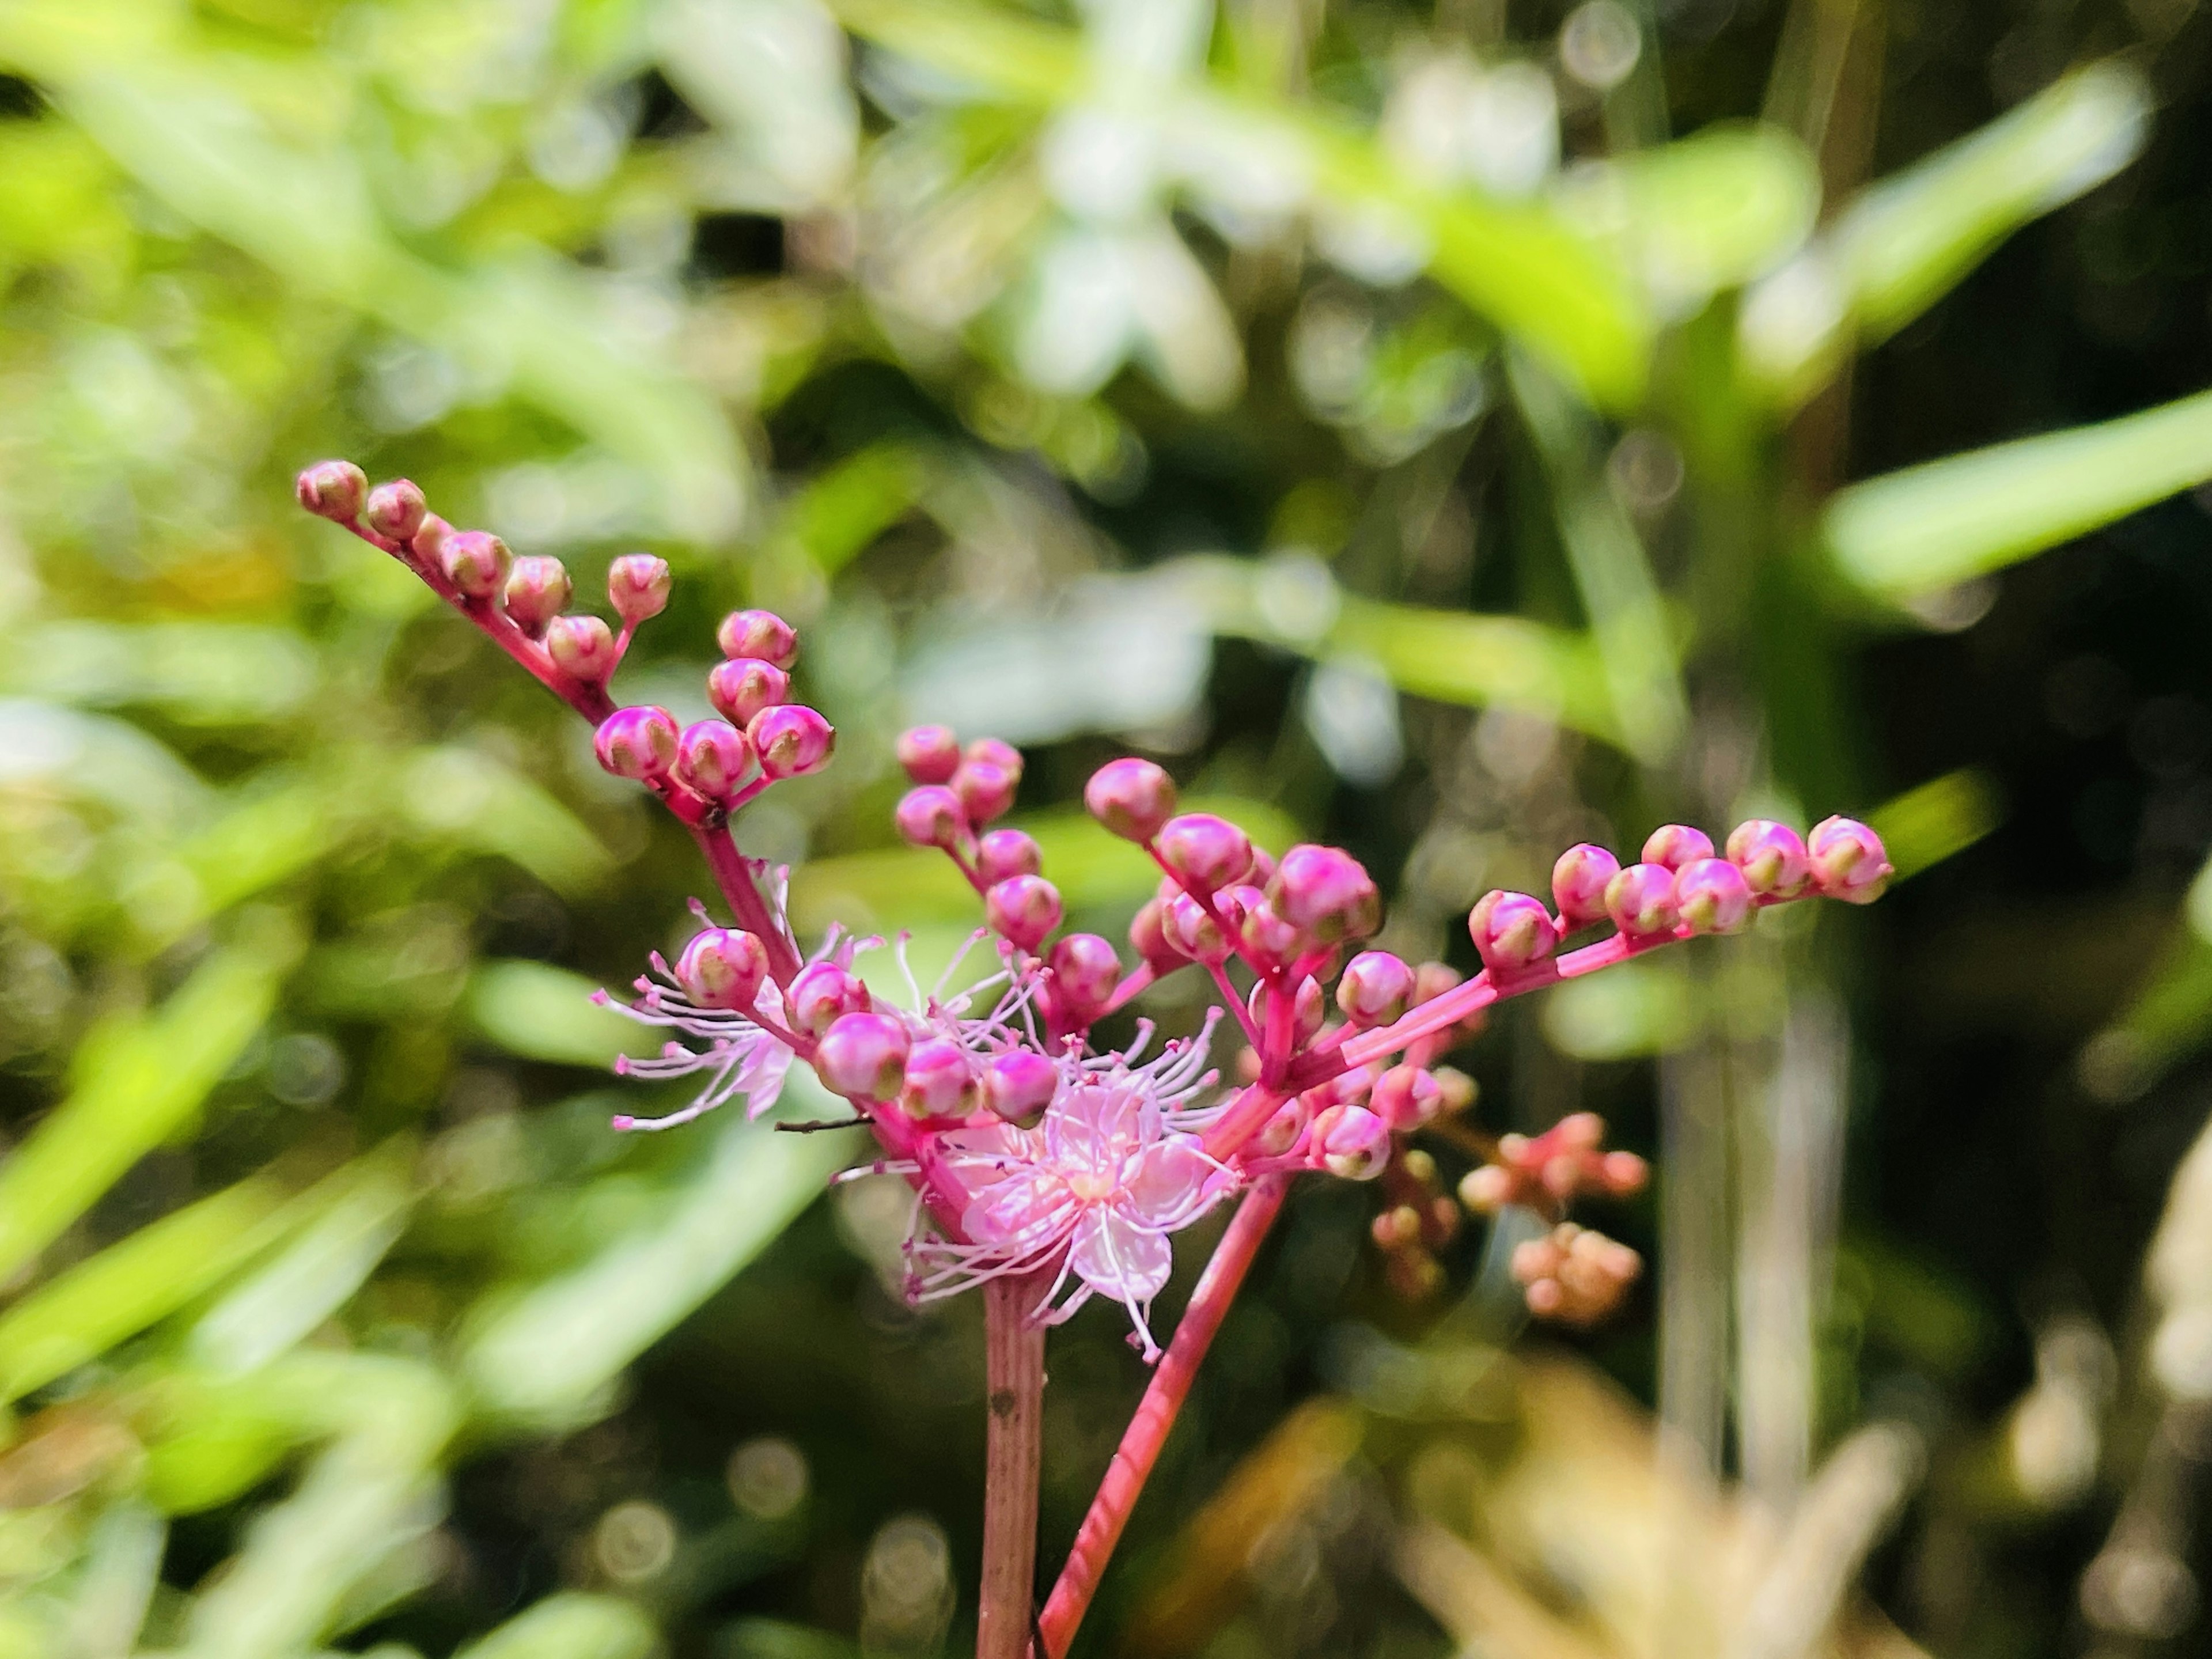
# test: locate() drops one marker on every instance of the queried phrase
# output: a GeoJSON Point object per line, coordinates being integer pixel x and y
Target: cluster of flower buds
{"type": "Point", "coordinates": [1418, 1219]}
{"type": "Point", "coordinates": [1574, 1275]}
{"type": "Point", "coordinates": [1548, 1171]}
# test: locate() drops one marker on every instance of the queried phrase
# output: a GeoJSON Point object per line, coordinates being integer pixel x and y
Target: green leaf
{"type": "Point", "coordinates": [547, 1013]}
{"type": "Point", "coordinates": [1929, 527]}
{"type": "Point", "coordinates": [1947, 815]}
{"type": "Point", "coordinates": [199, 672]}
{"type": "Point", "coordinates": [277, 831]}
{"type": "Point", "coordinates": [478, 801]}
{"type": "Point", "coordinates": [570, 1625]}
{"type": "Point", "coordinates": [1635, 1009]}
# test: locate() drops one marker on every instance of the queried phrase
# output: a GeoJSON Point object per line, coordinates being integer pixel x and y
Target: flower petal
{"type": "Point", "coordinates": [1166, 1184]}
{"type": "Point", "coordinates": [1118, 1258]}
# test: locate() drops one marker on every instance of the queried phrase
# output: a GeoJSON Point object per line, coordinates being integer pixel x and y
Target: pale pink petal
{"type": "Point", "coordinates": [1164, 1182]}
{"type": "Point", "coordinates": [1026, 1206]}
{"type": "Point", "coordinates": [1092, 1128]}
{"type": "Point", "coordinates": [1118, 1258]}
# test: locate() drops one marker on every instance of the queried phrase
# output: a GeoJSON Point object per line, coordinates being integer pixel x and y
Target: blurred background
{"type": "Point", "coordinates": [1454, 432]}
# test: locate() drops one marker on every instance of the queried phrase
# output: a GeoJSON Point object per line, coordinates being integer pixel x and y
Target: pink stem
{"type": "Point", "coordinates": [1013, 1369]}
{"type": "Point", "coordinates": [1129, 990]}
{"type": "Point", "coordinates": [1156, 1415]}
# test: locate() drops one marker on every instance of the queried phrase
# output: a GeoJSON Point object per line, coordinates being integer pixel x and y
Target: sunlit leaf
{"type": "Point", "coordinates": [547, 1013]}
{"type": "Point", "coordinates": [570, 1625]}
{"type": "Point", "coordinates": [1944, 816]}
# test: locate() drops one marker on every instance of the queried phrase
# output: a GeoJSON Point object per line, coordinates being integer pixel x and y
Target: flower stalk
{"type": "Point", "coordinates": [1013, 1460]}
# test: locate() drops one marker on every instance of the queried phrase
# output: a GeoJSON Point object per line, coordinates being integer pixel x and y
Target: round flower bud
{"type": "Point", "coordinates": [930, 816]}
{"type": "Point", "coordinates": [930, 754]}
{"type": "Point", "coordinates": [1511, 931]}
{"type": "Point", "coordinates": [791, 740]}
{"type": "Point", "coordinates": [1376, 988]}
{"type": "Point", "coordinates": [1772, 858]}
{"type": "Point", "coordinates": [637, 587]}
{"type": "Point", "coordinates": [820, 993]}
{"type": "Point", "coordinates": [761, 634]}
{"type": "Point", "coordinates": [1305, 1009]}
{"type": "Point", "coordinates": [711, 758]}
{"type": "Point", "coordinates": [637, 742]}
{"type": "Point", "coordinates": [1674, 845]}
{"type": "Point", "coordinates": [1281, 1133]}
{"type": "Point", "coordinates": [1406, 1098]}
{"type": "Point", "coordinates": [1148, 934]}
{"type": "Point", "coordinates": [1005, 852]}
{"type": "Point", "coordinates": [986, 789]}
{"type": "Point", "coordinates": [722, 967]}
{"type": "Point", "coordinates": [1020, 1084]}
{"type": "Point", "coordinates": [1578, 884]}
{"type": "Point", "coordinates": [1132, 798]}
{"type": "Point", "coordinates": [742, 687]}
{"type": "Point", "coordinates": [1712, 898]}
{"type": "Point", "coordinates": [1085, 968]}
{"type": "Point", "coordinates": [476, 561]}
{"type": "Point", "coordinates": [333, 489]}
{"type": "Point", "coordinates": [582, 648]}
{"type": "Point", "coordinates": [1266, 937]}
{"type": "Point", "coordinates": [863, 1057]}
{"type": "Point", "coordinates": [994, 751]}
{"type": "Point", "coordinates": [395, 510]}
{"type": "Point", "coordinates": [1191, 930]}
{"type": "Point", "coordinates": [940, 1081]}
{"type": "Point", "coordinates": [1353, 1142]}
{"type": "Point", "coordinates": [1022, 910]}
{"type": "Point", "coordinates": [1848, 861]}
{"type": "Point", "coordinates": [431, 538]}
{"type": "Point", "coordinates": [1327, 893]}
{"type": "Point", "coordinates": [1206, 851]}
{"type": "Point", "coordinates": [1640, 900]}
{"type": "Point", "coordinates": [537, 590]}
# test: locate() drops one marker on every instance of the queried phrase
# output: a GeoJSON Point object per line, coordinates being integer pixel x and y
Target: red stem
{"type": "Point", "coordinates": [1013, 1367]}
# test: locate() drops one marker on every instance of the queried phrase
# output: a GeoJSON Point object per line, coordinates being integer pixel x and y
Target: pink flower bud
{"type": "Point", "coordinates": [1132, 798]}
{"type": "Point", "coordinates": [582, 648]}
{"type": "Point", "coordinates": [537, 590]}
{"type": "Point", "coordinates": [1281, 1133]}
{"type": "Point", "coordinates": [1148, 934]}
{"type": "Point", "coordinates": [1351, 1142]}
{"type": "Point", "coordinates": [1623, 1174]}
{"type": "Point", "coordinates": [1023, 910]}
{"type": "Point", "coordinates": [1511, 930]}
{"type": "Point", "coordinates": [1020, 1084]}
{"type": "Point", "coordinates": [637, 742]}
{"type": "Point", "coordinates": [431, 538]}
{"type": "Point", "coordinates": [1640, 900]}
{"type": "Point", "coordinates": [1266, 937]}
{"type": "Point", "coordinates": [822, 992]}
{"type": "Point", "coordinates": [395, 510]}
{"type": "Point", "coordinates": [1326, 892]}
{"type": "Point", "coordinates": [1305, 1009]}
{"type": "Point", "coordinates": [761, 634]}
{"type": "Point", "coordinates": [986, 789]}
{"type": "Point", "coordinates": [1849, 861]}
{"type": "Point", "coordinates": [930, 754]}
{"type": "Point", "coordinates": [476, 563]}
{"type": "Point", "coordinates": [1376, 988]}
{"type": "Point", "coordinates": [711, 758]}
{"type": "Point", "coordinates": [637, 587]}
{"type": "Point", "coordinates": [1005, 852]}
{"type": "Point", "coordinates": [930, 816]}
{"type": "Point", "coordinates": [1772, 857]}
{"type": "Point", "coordinates": [863, 1057]}
{"type": "Point", "coordinates": [1578, 884]}
{"type": "Point", "coordinates": [742, 687]}
{"type": "Point", "coordinates": [940, 1081]}
{"type": "Point", "coordinates": [1674, 845]}
{"type": "Point", "coordinates": [994, 751]}
{"type": "Point", "coordinates": [1191, 930]}
{"type": "Point", "coordinates": [722, 967]}
{"type": "Point", "coordinates": [1712, 896]}
{"type": "Point", "coordinates": [1085, 968]}
{"type": "Point", "coordinates": [1206, 851]}
{"type": "Point", "coordinates": [1406, 1098]}
{"type": "Point", "coordinates": [791, 740]}
{"type": "Point", "coordinates": [333, 490]}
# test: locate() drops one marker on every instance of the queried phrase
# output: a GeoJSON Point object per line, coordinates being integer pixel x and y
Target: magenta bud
{"type": "Point", "coordinates": [711, 758]}
{"type": "Point", "coordinates": [930, 754]}
{"type": "Point", "coordinates": [994, 751]}
{"type": "Point", "coordinates": [1148, 934]}
{"type": "Point", "coordinates": [1326, 892]}
{"type": "Point", "coordinates": [1849, 861]}
{"type": "Point", "coordinates": [332, 489]}
{"type": "Point", "coordinates": [863, 1057]}
{"type": "Point", "coordinates": [637, 742]}
{"type": "Point", "coordinates": [1578, 884]}
{"type": "Point", "coordinates": [637, 587]}
{"type": "Point", "coordinates": [476, 561]}
{"type": "Point", "coordinates": [537, 590]}
{"type": "Point", "coordinates": [722, 967]}
{"type": "Point", "coordinates": [939, 1080]}
{"type": "Point", "coordinates": [395, 510]}
{"type": "Point", "coordinates": [1376, 988]}
{"type": "Point", "coordinates": [1023, 910]}
{"type": "Point", "coordinates": [1511, 931]}
{"type": "Point", "coordinates": [1005, 852]}
{"type": "Point", "coordinates": [1192, 931]}
{"type": "Point", "coordinates": [582, 648]}
{"type": "Point", "coordinates": [1132, 798]}
{"type": "Point", "coordinates": [1266, 937]}
{"type": "Point", "coordinates": [1206, 851]}
{"type": "Point", "coordinates": [761, 634]}
{"type": "Point", "coordinates": [822, 992]}
{"type": "Point", "coordinates": [1353, 1142]}
{"type": "Point", "coordinates": [930, 816]}
{"type": "Point", "coordinates": [1406, 1098]}
{"type": "Point", "coordinates": [986, 789]}
{"type": "Point", "coordinates": [1772, 858]}
{"type": "Point", "coordinates": [1306, 1009]}
{"type": "Point", "coordinates": [1640, 900]}
{"type": "Point", "coordinates": [1281, 1133]}
{"type": "Point", "coordinates": [1020, 1084]}
{"type": "Point", "coordinates": [743, 687]}
{"type": "Point", "coordinates": [1712, 896]}
{"type": "Point", "coordinates": [1674, 845]}
{"type": "Point", "coordinates": [1085, 968]}
{"type": "Point", "coordinates": [791, 740]}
